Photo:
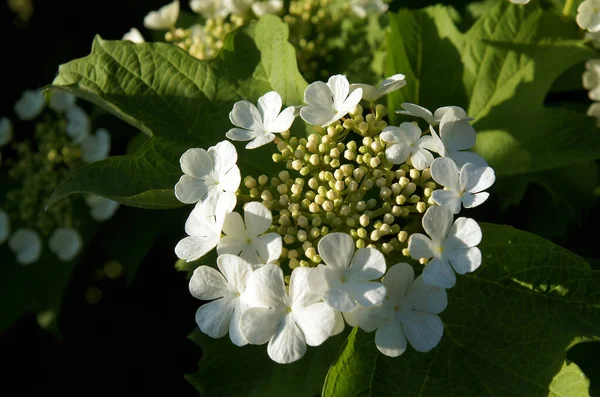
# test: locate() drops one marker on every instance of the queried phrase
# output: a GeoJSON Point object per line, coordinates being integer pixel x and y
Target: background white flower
{"type": "Point", "coordinates": [519, 1]}
{"type": "Point", "coordinates": [4, 226]}
{"type": "Point", "coordinates": [588, 15]}
{"type": "Point", "coordinates": [209, 8]}
{"type": "Point", "coordinates": [363, 8]}
{"type": "Point", "coordinates": [237, 7]}
{"type": "Point", "coordinates": [345, 279]}
{"type": "Point", "coordinates": [27, 245]}
{"type": "Point", "coordinates": [259, 125]}
{"type": "Point", "coordinates": [464, 187]}
{"type": "Point", "coordinates": [371, 94]}
{"type": "Point", "coordinates": [203, 227]}
{"type": "Point", "coordinates": [61, 101]}
{"type": "Point", "coordinates": [329, 102]}
{"type": "Point", "coordinates": [433, 119]}
{"type": "Point", "coordinates": [164, 18]}
{"type": "Point", "coordinates": [247, 240]}
{"type": "Point", "coordinates": [594, 111]}
{"type": "Point", "coordinates": [407, 141]}
{"type": "Point", "coordinates": [591, 79]}
{"type": "Point", "coordinates": [30, 105]}
{"type": "Point", "coordinates": [101, 208]}
{"type": "Point", "coordinates": [448, 244]}
{"type": "Point", "coordinates": [66, 243]}
{"type": "Point", "coordinates": [95, 147]}
{"type": "Point", "coordinates": [134, 36]}
{"type": "Point", "coordinates": [226, 291]}
{"type": "Point", "coordinates": [288, 322]}
{"type": "Point", "coordinates": [78, 124]}
{"type": "Point", "coordinates": [6, 131]}
{"type": "Point", "coordinates": [456, 136]}
{"type": "Point", "coordinates": [260, 8]}
{"type": "Point", "coordinates": [208, 174]}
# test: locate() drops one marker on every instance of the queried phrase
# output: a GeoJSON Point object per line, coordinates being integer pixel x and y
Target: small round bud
{"type": "Point", "coordinates": [282, 188]}
{"type": "Point", "coordinates": [414, 174]}
{"type": "Point", "coordinates": [304, 171]}
{"type": "Point", "coordinates": [423, 261]}
{"type": "Point", "coordinates": [349, 155]}
{"type": "Point", "coordinates": [339, 186]}
{"type": "Point", "coordinates": [402, 236]}
{"type": "Point", "coordinates": [385, 193]}
{"type": "Point", "coordinates": [375, 235]}
{"type": "Point", "coordinates": [316, 222]}
{"type": "Point", "coordinates": [387, 248]}
{"type": "Point", "coordinates": [284, 176]}
{"type": "Point", "coordinates": [266, 195]}
{"type": "Point", "coordinates": [427, 192]}
{"type": "Point", "coordinates": [364, 220]}
{"type": "Point", "coordinates": [303, 221]}
{"type": "Point", "coordinates": [375, 162]}
{"type": "Point", "coordinates": [381, 182]}
{"type": "Point", "coordinates": [262, 180]}
{"type": "Point", "coordinates": [313, 183]}
{"type": "Point", "coordinates": [421, 207]}
{"type": "Point", "coordinates": [400, 200]}
{"type": "Point", "coordinates": [314, 159]}
{"type": "Point", "coordinates": [289, 239]}
{"type": "Point", "coordinates": [314, 233]}
{"type": "Point", "coordinates": [328, 205]}
{"type": "Point", "coordinates": [314, 208]}
{"type": "Point", "coordinates": [297, 165]}
{"type": "Point", "coordinates": [405, 252]}
{"type": "Point", "coordinates": [302, 236]}
{"type": "Point", "coordinates": [249, 182]}
{"type": "Point", "coordinates": [360, 244]}
{"type": "Point", "coordinates": [388, 219]}
{"type": "Point", "coordinates": [361, 206]}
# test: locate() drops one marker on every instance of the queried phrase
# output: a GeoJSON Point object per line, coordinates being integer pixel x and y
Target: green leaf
{"type": "Point", "coordinates": [229, 371]}
{"type": "Point", "coordinates": [508, 327]}
{"type": "Point", "coordinates": [178, 101]}
{"type": "Point", "coordinates": [500, 71]}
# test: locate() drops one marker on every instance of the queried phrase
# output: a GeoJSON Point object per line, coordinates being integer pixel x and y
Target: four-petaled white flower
{"type": "Point", "coordinates": [410, 312]}
{"type": "Point", "coordinates": [78, 124]}
{"type": "Point", "coordinates": [288, 321]}
{"type": "Point", "coordinates": [95, 147]}
{"type": "Point", "coordinates": [260, 8]}
{"type": "Point", "coordinates": [101, 208]}
{"type": "Point", "coordinates": [61, 101]}
{"type": "Point", "coordinates": [406, 140]}
{"type": "Point", "coordinates": [371, 94]}
{"type": "Point", "coordinates": [464, 187]}
{"type": "Point", "coordinates": [226, 291]}
{"type": "Point", "coordinates": [329, 102]}
{"type": "Point", "coordinates": [30, 105]}
{"type": "Point", "coordinates": [448, 244]}
{"type": "Point", "coordinates": [588, 15]}
{"type": "Point", "coordinates": [204, 226]}
{"type": "Point", "coordinates": [6, 131]}
{"type": "Point", "coordinates": [363, 8]}
{"type": "Point", "coordinates": [208, 174]}
{"type": "Point", "coordinates": [456, 136]}
{"type": "Point", "coordinates": [66, 243]}
{"type": "Point", "coordinates": [247, 240]}
{"type": "Point", "coordinates": [134, 36]}
{"type": "Point", "coordinates": [27, 245]}
{"type": "Point", "coordinates": [591, 79]}
{"type": "Point", "coordinates": [210, 8]}
{"type": "Point", "coordinates": [164, 18]}
{"type": "Point", "coordinates": [433, 119]}
{"type": "Point", "coordinates": [346, 277]}
{"type": "Point", "coordinates": [259, 125]}
{"type": "Point", "coordinates": [4, 226]}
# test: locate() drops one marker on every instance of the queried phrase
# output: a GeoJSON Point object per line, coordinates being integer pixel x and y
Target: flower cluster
{"type": "Point", "coordinates": [325, 241]}
{"type": "Point", "coordinates": [62, 140]}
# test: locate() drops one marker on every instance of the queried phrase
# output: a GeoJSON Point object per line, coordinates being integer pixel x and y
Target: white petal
{"type": "Point", "coordinates": [60, 101]}
{"type": "Point", "coordinates": [390, 339]}
{"type": "Point", "coordinates": [463, 157]}
{"type": "Point", "coordinates": [412, 132]}
{"type": "Point", "coordinates": [65, 243]}
{"type": "Point", "coordinates": [230, 181]}
{"type": "Point", "coordinates": [30, 105]}
{"type": "Point", "coordinates": [214, 318]}
{"type": "Point", "coordinates": [366, 293]}
{"type": "Point", "coordinates": [233, 246]}
{"type": "Point", "coordinates": [439, 273]}
{"type": "Point", "coordinates": [398, 280]}
{"type": "Point", "coordinates": [4, 226]}
{"type": "Point", "coordinates": [465, 260]}
{"type": "Point", "coordinates": [224, 156]}
{"type": "Point", "coordinates": [102, 208]}
{"type": "Point", "coordinates": [190, 190]}
{"type": "Point", "coordinates": [300, 293]}
{"type": "Point", "coordinates": [319, 95]}
{"type": "Point", "coordinates": [425, 297]}
{"type": "Point", "coordinates": [369, 93]}
{"type": "Point", "coordinates": [258, 218]}
{"type": "Point", "coordinates": [415, 110]}
{"type": "Point", "coordinates": [447, 198]}
{"type": "Point", "coordinates": [340, 88]}
{"type": "Point", "coordinates": [196, 163]}
{"type": "Point", "coordinates": [421, 159]}
{"type": "Point", "coordinates": [316, 321]}
{"type": "Point", "coordinates": [236, 271]}
{"type": "Point", "coordinates": [260, 140]}
{"type": "Point", "coordinates": [258, 324]}
{"type": "Point", "coordinates": [464, 233]}
{"type": "Point", "coordinates": [134, 36]}
{"type": "Point", "coordinates": [420, 246]}
{"type": "Point", "coordinates": [269, 106]}
{"type": "Point", "coordinates": [369, 318]}
{"type": "Point", "coordinates": [456, 133]}
{"type": "Point", "coordinates": [336, 249]}
{"type": "Point", "coordinates": [351, 102]}
{"type": "Point", "coordinates": [265, 288]}
{"type": "Point", "coordinates": [391, 84]}
{"type": "Point", "coordinates": [424, 331]}
{"type": "Point", "coordinates": [245, 115]}
{"type": "Point", "coordinates": [95, 147]}
{"type": "Point", "coordinates": [471, 200]}
{"type": "Point", "coordinates": [27, 245]}
{"type": "Point", "coordinates": [317, 116]}
{"type": "Point", "coordinates": [208, 284]}
{"type": "Point", "coordinates": [201, 223]}
{"type": "Point", "coordinates": [339, 324]}
{"type": "Point", "coordinates": [164, 18]}
{"type": "Point", "coordinates": [78, 124]}
{"type": "Point", "coordinates": [392, 134]}
{"type": "Point", "coordinates": [234, 227]}
{"type": "Point", "coordinates": [339, 300]}
{"type": "Point", "coordinates": [284, 120]}
{"type": "Point", "coordinates": [317, 280]}
{"type": "Point", "coordinates": [6, 131]}
{"type": "Point", "coordinates": [238, 134]}
{"type": "Point", "coordinates": [287, 344]}
{"type": "Point", "coordinates": [445, 172]}
{"type": "Point", "coordinates": [250, 255]}
{"type": "Point", "coordinates": [459, 113]}
{"type": "Point", "coordinates": [235, 331]}
{"type": "Point", "coordinates": [477, 179]}
{"type": "Point", "coordinates": [397, 153]}
{"type": "Point", "coordinates": [367, 264]}
{"type": "Point", "coordinates": [192, 247]}
{"type": "Point", "coordinates": [437, 222]}
{"type": "Point", "coordinates": [268, 246]}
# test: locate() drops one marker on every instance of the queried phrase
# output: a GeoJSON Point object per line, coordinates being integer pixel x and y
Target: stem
{"type": "Point", "coordinates": [567, 8]}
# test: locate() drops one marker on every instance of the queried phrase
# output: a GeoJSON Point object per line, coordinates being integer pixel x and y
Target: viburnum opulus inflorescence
{"type": "Point", "coordinates": [348, 206]}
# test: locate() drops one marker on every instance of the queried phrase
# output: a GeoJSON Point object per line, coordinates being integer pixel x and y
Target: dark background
{"type": "Point", "coordinates": [134, 341]}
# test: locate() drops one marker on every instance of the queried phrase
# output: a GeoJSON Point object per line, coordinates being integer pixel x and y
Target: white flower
{"type": "Point", "coordinates": [407, 141]}
{"type": "Point", "coordinates": [247, 240]}
{"type": "Point", "coordinates": [134, 36]}
{"type": "Point", "coordinates": [226, 291]}
{"type": "Point", "coordinates": [61, 101]}
{"type": "Point", "coordinates": [102, 208]}
{"type": "Point", "coordinates": [410, 109]}
{"type": "Point", "coordinates": [78, 124]}
{"type": "Point", "coordinates": [329, 102]}
{"type": "Point", "coordinates": [209, 8]}
{"type": "Point", "coordinates": [457, 135]}
{"type": "Point", "coordinates": [448, 244]}
{"type": "Point", "coordinates": [30, 105]}
{"type": "Point", "coordinates": [466, 187]}
{"type": "Point", "coordinates": [362, 8]}
{"type": "Point", "coordinates": [588, 15]}
{"type": "Point", "coordinates": [371, 94]}
{"type": "Point", "coordinates": [164, 18]}
{"type": "Point", "coordinates": [96, 147]}
{"type": "Point", "coordinates": [66, 243]}
{"type": "Point", "coordinates": [259, 125]}
{"type": "Point", "coordinates": [288, 322]}
{"type": "Point", "coordinates": [593, 38]}
{"type": "Point", "coordinates": [345, 279]}
{"type": "Point", "coordinates": [260, 8]}
{"type": "Point", "coordinates": [410, 312]}
{"type": "Point", "coordinates": [519, 1]}
{"type": "Point", "coordinates": [207, 175]}
{"type": "Point", "coordinates": [591, 79]}
{"type": "Point", "coordinates": [203, 227]}
{"type": "Point", "coordinates": [27, 245]}
{"type": "Point", "coordinates": [238, 7]}
{"type": "Point", "coordinates": [6, 131]}
{"type": "Point", "coordinates": [4, 226]}
{"type": "Point", "coordinates": [594, 111]}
